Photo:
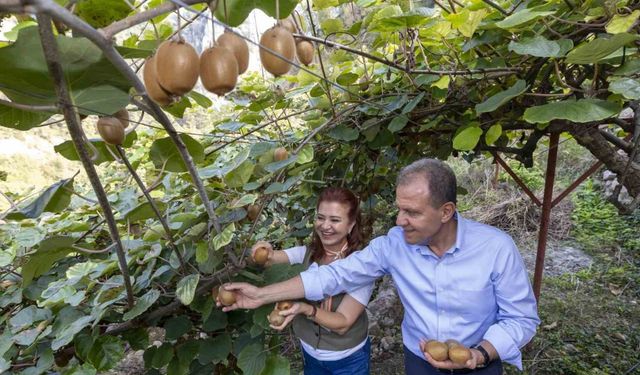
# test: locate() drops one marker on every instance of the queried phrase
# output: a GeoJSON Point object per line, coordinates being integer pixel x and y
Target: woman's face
{"type": "Point", "coordinates": [332, 223]}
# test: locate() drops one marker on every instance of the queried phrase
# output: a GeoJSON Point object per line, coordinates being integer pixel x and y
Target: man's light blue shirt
{"type": "Point", "coordinates": [479, 289]}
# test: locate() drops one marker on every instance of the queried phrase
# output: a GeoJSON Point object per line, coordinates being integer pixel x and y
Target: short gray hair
{"type": "Point", "coordinates": [439, 177]}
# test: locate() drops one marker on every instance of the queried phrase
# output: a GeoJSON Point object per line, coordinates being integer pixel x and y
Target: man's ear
{"type": "Point", "coordinates": [448, 210]}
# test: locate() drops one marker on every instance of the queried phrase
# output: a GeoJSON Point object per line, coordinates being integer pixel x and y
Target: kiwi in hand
{"type": "Point", "coordinates": [275, 319]}
{"type": "Point", "coordinates": [437, 350]}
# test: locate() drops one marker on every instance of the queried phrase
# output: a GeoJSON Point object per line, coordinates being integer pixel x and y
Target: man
{"type": "Point", "coordinates": [457, 279]}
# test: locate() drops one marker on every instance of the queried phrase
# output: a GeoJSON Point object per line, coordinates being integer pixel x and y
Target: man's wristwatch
{"type": "Point", "coordinates": [313, 313]}
{"type": "Point", "coordinates": [484, 353]}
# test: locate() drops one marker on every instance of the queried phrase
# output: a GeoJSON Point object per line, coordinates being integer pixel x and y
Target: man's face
{"type": "Point", "coordinates": [419, 220]}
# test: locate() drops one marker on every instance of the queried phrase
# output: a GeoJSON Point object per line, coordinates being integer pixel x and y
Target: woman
{"type": "Point", "coordinates": [334, 333]}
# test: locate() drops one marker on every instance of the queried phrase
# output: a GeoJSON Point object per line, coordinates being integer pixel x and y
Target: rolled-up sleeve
{"type": "Point", "coordinates": [517, 310]}
{"type": "Point", "coordinates": [345, 275]}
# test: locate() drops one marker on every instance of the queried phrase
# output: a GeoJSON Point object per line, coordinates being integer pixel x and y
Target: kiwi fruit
{"type": "Point", "coordinates": [238, 46]}
{"type": "Point", "coordinates": [275, 318]}
{"type": "Point", "coordinates": [154, 90]}
{"type": "Point", "coordinates": [277, 39]}
{"type": "Point", "coordinates": [284, 305]}
{"type": "Point", "coordinates": [451, 343]}
{"type": "Point", "coordinates": [288, 24]}
{"type": "Point", "coordinates": [111, 130]}
{"type": "Point", "coordinates": [226, 297]}
{"type": "Point", "coordinates": [437, 350]}
{"type": "Point", "coordinates": [458, 354]}
{"type": "Point", "coordinates": [280, 154]}
{"type": "Point", "coordinates": [123, 116]}
{"type": "Point", "coordinates": [253, 210]}
{"type": "Point", "coordinates": [304, 51]}
{"type": "Point", "coordinates": [177, 66]}
{"type": "Point", "coordinates": [218, 70]}
{"type": "Point", "coordinates": [261, 256]}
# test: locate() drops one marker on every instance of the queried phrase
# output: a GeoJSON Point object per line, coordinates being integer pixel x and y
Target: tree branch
{"type": "Point", "coordinates": [50, 48]}
{"type": "Point", "coordinates": [496, 7]}
{"type": "Point", "coordinates": [32, 108]}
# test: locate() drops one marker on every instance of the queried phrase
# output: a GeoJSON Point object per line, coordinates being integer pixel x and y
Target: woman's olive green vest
{"type": "Point", "coordinates": [321, 338]}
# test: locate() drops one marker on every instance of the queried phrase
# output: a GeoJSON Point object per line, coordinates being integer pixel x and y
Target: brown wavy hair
{"type": "Point", "coordinates": [355, 238]}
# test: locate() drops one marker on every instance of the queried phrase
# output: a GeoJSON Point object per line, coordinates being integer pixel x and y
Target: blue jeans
{"type": "Point", "coordinates": [355, 364]}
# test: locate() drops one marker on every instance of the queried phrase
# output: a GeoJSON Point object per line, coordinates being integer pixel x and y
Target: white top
{"type": "Point", "coordinates": [362, 295]}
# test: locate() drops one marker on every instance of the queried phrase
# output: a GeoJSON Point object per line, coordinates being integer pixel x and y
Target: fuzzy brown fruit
{"type": "Point", "coordinates": [437, 350]}
{"type": "Point", "coordinates": [253, 211]}
{"type": "Point", "coordinates": [123, 116]}
{"type": "Point", "coordinates": [177, 66]}
{"type": "Point", "coordinates": [451, 343]}
{"type": "Point", "coordinates": [280, 154]}
{"type": "Point", "coordinates": [288, 24]}
{"type": "Point", "coordinates": [279, 40]}
{"type": "Point", "coordinates": [111, 130]}
{"type": "Point", "coordinates": [218, 70]}
{"type": "Point", "coordinates": [275, 318]}
{"type": "Point", "coordinates": [150, 77]}
{"type": "Point", "coordinates": [238, 46]}
{"type": "Point", "coordinates": [226, 297]}
{"type": "Point", "coordinates": [458, 354]}
{"type": "Point", "coordinates": [284, 305]}
{"type": "Point", "coordinates": [304, 51]}
{"type": "Point", "coordinates": [261, 256]}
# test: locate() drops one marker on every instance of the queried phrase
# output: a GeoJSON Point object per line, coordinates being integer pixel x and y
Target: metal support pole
{"type": "Point", "coordinates": [546, 212]}
{"type": "Point", "coordinates": [517, 179]}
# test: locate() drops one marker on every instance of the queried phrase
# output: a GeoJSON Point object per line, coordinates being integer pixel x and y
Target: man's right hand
{"type": "Point", "coordinates": [247, 296]}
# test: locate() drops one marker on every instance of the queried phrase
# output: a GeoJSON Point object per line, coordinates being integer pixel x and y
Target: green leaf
{"type": "Point", "coordinates": [497, 100]}
{"type": "Point", "coordinates": [583, 110]}
{"type": "Point", "coordinates": [54, 199]}
{"type": "Point", "coordinates": [332, 25]}
{"type": "Point", "coordinates": [467, 21]}
{"type": "Point", "coordinates": [19, 119]}
{"type": "Point", "coordinates": [398, 123]}
{"type": "Point", "coordinates": [276, 365]}
{"type": "Point", "coordinates": [627, 87]}
{"type": "Point", "coordinates": [492, 135]}
{"type": "Point", "coordinates": [348, 78]}
{"type": "Point", "coordinates": [442, 83]}
{"type": "Point", "coordinates": [50, 250]}
{"type": "Point", "coordinates": [102, 13]}
{"type": "Point", "coordinates": [143, 211]}
{"type": "Point", "coordinates": [243, 201]}
{"type": "Point", "coordinates": [142, 304]}
{"type": "Point", "coordinates": [165, 151]}
{"type": "Point", "coordinates": [240, 175]}
{"type": "Point", "coordinates": [177, 326]}
{"type": "Point", "coordinates": [467, 139]}
{"type": "Point", "coordinates": [621, 24]}
{"type": "Point", "coordinates": [305, 155]}
{"type": "Point", "coordinates": [238, 10]}
{"type": "Point", "coordinates": [68, 150]}
{"type": "Point", "coordinates": [162, 356]}
{"type": "Point", "coordinates": [106, 352]}
{"type": "Point", "coordinates": [281, 272]}
{"type": "Point", "coordinates": [541, 47]}
{"type": "Point", "coordinates": [202, 100]}
{"type": "Point", "coordinates": [343, 133]}
{"type": "Point", "coordinates": [215, 350]}
{"type": "Point", "coordinates": [413, 103]}
{"type": "Point", "coordinates": [224, 238]}
{"type": "Point", "coordinates": [252, 359]}
{"type": "Point", "coordinates": [595, 50]}
{"type": "Point", "coordinates": [69, 331]}
{"type": "Point", "coordinates": [138, 338]}
{"type": "Point", "coordinates": [215, 321]}
{"type": "Point", "coordinates": [521, 17]}
{"type": "Point", "coordinates": [277, 165]}
{"type": "Point", "coordinates": [186, 288]}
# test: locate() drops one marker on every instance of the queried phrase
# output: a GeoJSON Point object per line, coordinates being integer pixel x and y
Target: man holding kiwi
{"type": "Point", "coordinates": [457, 279]}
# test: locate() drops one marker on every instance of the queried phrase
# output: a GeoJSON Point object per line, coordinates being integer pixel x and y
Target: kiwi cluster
{"type": "Point", "coordinates": [174, 69]}
{"type": "Point", "coordinates": [111, 128]}
{"type": "Point", "coordinates": [274, 318]}
{"type": "Point", "coordinates": [280, 39]}
{"type": "Point", "coordinates": [448, 350]}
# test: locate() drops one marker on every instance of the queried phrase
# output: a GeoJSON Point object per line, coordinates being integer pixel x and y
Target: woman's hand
{"type": "Point", "coordinates": [290, 313]}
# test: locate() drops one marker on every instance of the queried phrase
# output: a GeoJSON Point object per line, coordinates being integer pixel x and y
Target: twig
{"type": "Point", "coordinates": [32, 108]}
{"type": "Point", "coordinates": [496, 7]}
{"type": "Point", "coordinates": [50, 48]}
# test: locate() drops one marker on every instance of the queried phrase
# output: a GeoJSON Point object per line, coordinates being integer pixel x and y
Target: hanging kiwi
{"type": "Point", "coordinates": [304, 50]}
{"type": "Point", "coordinates": [177, 66]}
{"type": "Point", "coordinates": [279, 40]}
{"type": "Point", "coordinates": [150, 77]}
{"type": "Point", "coordinates": [123, 116]}
{"type": "Point", "coordinates": [218, 70]}
{"type": "Point", "coordinates": [288, 24]}
{"type": "Point", "coordinates": [111, 130]}
{"type": "Point", "coordinates": [239, 48]}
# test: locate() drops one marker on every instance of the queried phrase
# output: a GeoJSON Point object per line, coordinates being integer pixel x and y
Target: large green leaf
{"type": "Point", "coordinates": [54, 199]}
{"type": "Point", "coordinates": [142, 304]}
{"type": "Point", "coordinates": [238, 10]}
{"type": "Point", "coordinates": [276, 365]}
{"type": "Point", "coordinates": [596, 50]}
{"type": "Point", "coordinates": [101, 13]}
{"type": "Point", "coordinates": [541, 47]}
{"type": "Point", "coordinates": [467, 138]}
{"type": "Point", "coordinates": [215, 350]}
{"type": "Point", "coordinates": [106, 352]}
{"type": "Point", "coordinates": [522, 17]}
{"type": "Point", "coordinates": [627, 87]}
{"type": "Point", "coordinates": [224, 238]}
{"type": "Point", "coordinates": [96, 85]}
{"type": "Point", "coordinates": [466, 21]}
{"type": "Point", "coordinates": [165, 151]}
{"type": "Point", "coordinates": [143, 211]}
{"type": "Point", "coordinates": [583, 110]}
{"type": "Point", "coordinates": [252, 359]}
{"type": "Point", "coordinates": [400, 22]}
{"type": "Point", "coordinates": [622, 23]}
{"type": "Point", "coordinates": [186, 288]}
{"type": "Point", "coordinates": [177, 326]}
{"type": "Point", "coordinates": [497, 100]}
{"type": "Point", "coordinates": [240, 175]}
{"type": "Point", "coordinates": [50, 250]}
{"type": "Point", "coordinates": [19, 119]}
{"type": "Point", "coordinates": [68, 150]}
